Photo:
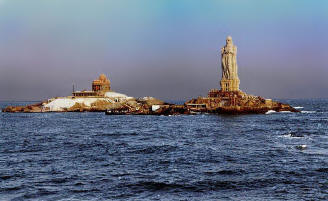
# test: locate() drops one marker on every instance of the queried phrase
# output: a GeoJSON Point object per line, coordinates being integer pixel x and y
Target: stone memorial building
{"type": "Point", "coordinates": [99, 88]}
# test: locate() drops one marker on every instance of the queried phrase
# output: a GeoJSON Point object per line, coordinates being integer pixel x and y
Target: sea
{"type": "Point", "coordinates": [91, 156]}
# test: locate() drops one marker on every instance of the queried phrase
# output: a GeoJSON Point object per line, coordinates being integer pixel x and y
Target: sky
{"type": "Point", "coordinates": [168, 49]}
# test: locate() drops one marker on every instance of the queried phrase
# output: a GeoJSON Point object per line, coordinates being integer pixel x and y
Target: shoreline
{"type": "Point", "coordinates": [236, 103]}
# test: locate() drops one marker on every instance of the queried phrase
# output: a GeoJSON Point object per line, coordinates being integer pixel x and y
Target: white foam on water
{"type": "Point", "coordinates": [289, 135]}
{"type": "Point", "coordinates": [299, 107]}
{"type": "Point", "coordinates": [307, 112]}
{"type": "Point", "coordinates": [285, 112]}
{"type": "Point", "coordinates": [270, 112]}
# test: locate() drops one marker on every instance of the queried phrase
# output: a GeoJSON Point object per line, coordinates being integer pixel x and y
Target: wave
{"type": "Point", "coordinates": [322, 170]}
{"type": "Point", "coordinates": [13, 188]}
{"type": "Point", "coordinates": [224, 172]}
{"type": "Point", "coordinates": [118, 134]}
{"type": "Point", "coordinates": [294, 135]}
{"type": "Point", "coordinates": [205, 185]}
{"type": "Point", "coordinates": [298, 107]}
{"type": "Point", "coordinates": [285, 112]}
{"type": "Point", "coordinates": [299, 134]}
{"type": "Point", "coordinates": [308, 112]}
{"type": "Point", "coordinates": [270, 112]}
{"type": "Point", "coordinates": [273, 112]}
{"type": "Point", "coordinates": [154, 149]}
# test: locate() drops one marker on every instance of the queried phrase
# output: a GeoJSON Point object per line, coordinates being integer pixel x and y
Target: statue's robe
{"type": "Point", "coordinates": [229, 61]}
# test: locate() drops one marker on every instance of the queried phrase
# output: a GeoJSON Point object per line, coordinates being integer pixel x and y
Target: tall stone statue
{"type": "Point", "coordinates": [230, 80]}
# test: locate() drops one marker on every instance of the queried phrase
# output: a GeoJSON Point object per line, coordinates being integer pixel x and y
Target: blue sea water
{"type": "Point", "coordinates": [91, 156]}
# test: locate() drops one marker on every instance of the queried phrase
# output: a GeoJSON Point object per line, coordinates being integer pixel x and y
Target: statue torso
{"type": "Point", "coordinates": [229, 49]}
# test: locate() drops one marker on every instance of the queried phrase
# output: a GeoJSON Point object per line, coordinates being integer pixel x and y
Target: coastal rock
{"type": "Point", "coordinates": [149, 101]}
{"type": "Point", "coordinates": [24, 109]}
{"type": "Point", "coordinates": [77, 107]}
{"type": "Point", "coordinates": [111, 100]}
{"type": "Point", "coordinates": [235, 102]}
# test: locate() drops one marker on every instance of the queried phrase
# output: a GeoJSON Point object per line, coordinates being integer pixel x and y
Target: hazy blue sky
{"type": "Point", "coordinates": [168, 49]}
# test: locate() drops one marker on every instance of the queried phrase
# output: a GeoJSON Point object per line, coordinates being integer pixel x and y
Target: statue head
{"type": "Point", "coordinates": [229, 40]}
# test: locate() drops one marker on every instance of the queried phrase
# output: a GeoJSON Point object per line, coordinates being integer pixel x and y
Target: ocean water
{"type": "Point", "coordinates": [91, 156]}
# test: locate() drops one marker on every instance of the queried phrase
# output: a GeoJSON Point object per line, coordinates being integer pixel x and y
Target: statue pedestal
{"type": "Point", "coordinates": [230, 85]}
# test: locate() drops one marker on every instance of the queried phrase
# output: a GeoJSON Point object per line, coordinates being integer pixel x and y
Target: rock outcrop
{"type": "Point", "coordinates": [235, 102]}
{"type": "Point", "coordinates": [35, 108]}
{"type": "Point", "coordinates": [90, 104]}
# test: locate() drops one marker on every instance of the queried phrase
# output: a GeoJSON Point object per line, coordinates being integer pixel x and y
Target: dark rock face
{"type": "Point", "coordinates": [162, 110]}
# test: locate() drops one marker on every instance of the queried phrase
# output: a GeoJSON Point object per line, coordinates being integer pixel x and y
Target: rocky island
{"type": "Point", "coordinates": [100, 99]}
{"type": "Point", "coordinates": [228, 100]}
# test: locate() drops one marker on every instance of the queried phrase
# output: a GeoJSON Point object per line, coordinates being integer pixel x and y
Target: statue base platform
{"type": "Point", "coordinates": [230, 84]}
{"type": "Point", "coordinates": [235, 102]}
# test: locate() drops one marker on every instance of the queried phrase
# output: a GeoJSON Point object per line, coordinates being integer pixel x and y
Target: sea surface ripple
{"type": "Point", "coordinates": [91, 156]}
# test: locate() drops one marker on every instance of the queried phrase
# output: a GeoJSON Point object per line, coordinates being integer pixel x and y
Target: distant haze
{"type": "Point", "coordinates": [168, 49]}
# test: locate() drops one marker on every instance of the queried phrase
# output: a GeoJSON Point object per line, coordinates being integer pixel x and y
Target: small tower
{"type": "Point", "coordinates": [230, 81]}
